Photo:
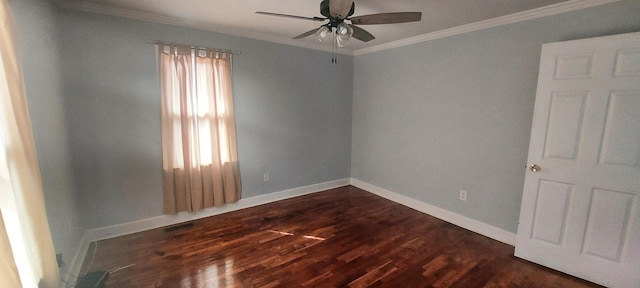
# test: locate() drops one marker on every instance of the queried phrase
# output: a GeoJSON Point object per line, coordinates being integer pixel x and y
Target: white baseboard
{"type": "Point", "coordinates": [73, 269]}
{"type": "Point", "coordinates": [167, 220]}
{"type": "Point", "coordinates": [446, 215]}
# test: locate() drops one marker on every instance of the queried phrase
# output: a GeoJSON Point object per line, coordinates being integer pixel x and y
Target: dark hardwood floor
{"type": "Point", "coordinates": [343, 237]}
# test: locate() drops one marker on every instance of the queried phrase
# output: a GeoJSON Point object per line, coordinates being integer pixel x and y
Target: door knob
{"type": "Point", "coordinates": [534, 168]}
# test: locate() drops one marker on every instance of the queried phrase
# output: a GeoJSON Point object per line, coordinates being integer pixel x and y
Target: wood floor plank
{"type": "Point", "coordinates": [343, 237]}
{"type": "Point", "coordinates": [374, 275]}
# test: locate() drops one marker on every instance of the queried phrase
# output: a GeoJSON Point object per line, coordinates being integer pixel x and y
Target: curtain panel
{"type": "Point", "coordinates": [8, 271]}
{"type": "Point", "coordinates": [199, 154]}
{"type": "Point", "coordinates": [27, 255]}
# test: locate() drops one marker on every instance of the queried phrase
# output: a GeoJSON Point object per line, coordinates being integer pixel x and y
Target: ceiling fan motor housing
{"type": "Point", "coordinates": [325, 11]}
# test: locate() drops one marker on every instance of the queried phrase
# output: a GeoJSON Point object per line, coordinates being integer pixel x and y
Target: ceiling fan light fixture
{"type": "Point", "coordinates": [345, 31]}
{"type": "Point", "coordinates": [343, 34]}
{"type": "Point", "coordinates": [323, 33]}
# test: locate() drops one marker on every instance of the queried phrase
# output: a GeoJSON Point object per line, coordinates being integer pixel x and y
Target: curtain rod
{"type": "Point", "coordinates": [195, 47]}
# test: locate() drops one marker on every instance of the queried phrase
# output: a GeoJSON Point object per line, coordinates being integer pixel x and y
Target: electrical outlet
{"type": "Point", "coordinates": [463, 195]}
{"type": "Point", "coordinates": [266, 177]}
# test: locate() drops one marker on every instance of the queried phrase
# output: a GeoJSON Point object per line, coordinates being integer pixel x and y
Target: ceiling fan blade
{"type": "Point", "coordinates": [386, 18]}
{"type": "Point", "coordinates": [340, 8]}
{"type": "Point", "coordinates": [291, 16]}
{"type": "Point", "coordinates": [361, 34]}
{"type": "Point", "coordinates": [305, 34]}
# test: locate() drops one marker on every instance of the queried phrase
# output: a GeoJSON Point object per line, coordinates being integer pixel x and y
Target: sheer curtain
{"type": "Point", "coordinates": [200, 162]}
{"type": "Point", "coordinates": [27, 256]}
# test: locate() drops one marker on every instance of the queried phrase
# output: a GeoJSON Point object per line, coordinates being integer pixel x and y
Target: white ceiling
{"type": "Point", "coordinates": [439, 17]}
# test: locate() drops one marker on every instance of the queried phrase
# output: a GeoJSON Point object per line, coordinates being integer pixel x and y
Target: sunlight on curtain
{"type": "Point", "coordinates": [200, 163]}
{"type": "Point", "coordinates": [8, 270]}
{"type": "Point", "coordinates": [25, 229]}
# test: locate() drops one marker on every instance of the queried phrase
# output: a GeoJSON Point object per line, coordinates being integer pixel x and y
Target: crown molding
{"type": "Point", "coordinates": [95, 8]}
{"type": "Point", "coordinates": [559, 8]}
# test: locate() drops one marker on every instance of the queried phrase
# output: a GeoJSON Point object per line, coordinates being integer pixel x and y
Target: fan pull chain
{"type": "Point", "coordinates": [333, 49]}
{"type": "Point", "coordinates": [334, 56]}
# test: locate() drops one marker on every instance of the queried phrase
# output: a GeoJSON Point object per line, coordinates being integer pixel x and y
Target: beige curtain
{"type": "Point", "coordinates": [8, 270]}
{"type": "Point", "coordinates": [200, 162]}
{"type": "Point", "coordinates": [24, 228]}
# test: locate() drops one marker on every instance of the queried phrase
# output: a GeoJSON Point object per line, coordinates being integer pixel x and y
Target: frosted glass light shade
{"type": "Point", "coordinates": [323, 33]}
{"type": "Point", "coordinates": [344, 31]}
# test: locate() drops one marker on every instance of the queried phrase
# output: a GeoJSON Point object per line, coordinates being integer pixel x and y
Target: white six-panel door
{"type": "Point", "coordinates": [580, 210]}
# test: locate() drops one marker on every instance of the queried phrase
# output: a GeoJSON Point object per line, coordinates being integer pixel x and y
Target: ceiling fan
{"type": "Point", "coordinates": [337, 11]}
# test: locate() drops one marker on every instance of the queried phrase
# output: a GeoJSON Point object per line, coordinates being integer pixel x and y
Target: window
{"type": "Point", "coordinates": [200, 166]}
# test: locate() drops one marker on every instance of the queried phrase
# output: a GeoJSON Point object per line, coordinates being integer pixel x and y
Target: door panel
{"type": "Point", "coordinates": [565, 125]}
{"type": "Point", "coordinates": [574, 66]}
{"type": "Point", "coordinates": [622, 132]}
{"type": "Point", "coordinates": [550, 217]}
{"type": "Point", "coordinates": [608, 223]}
{"type": "Point", "coordinates": [628, 63]}
{"type": "Point", "coordinates": [580, 212]}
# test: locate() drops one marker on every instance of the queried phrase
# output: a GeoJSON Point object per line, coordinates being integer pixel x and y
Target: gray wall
{"type": "Point", "coordinates": [433, 118]}
{"type": "Point", "coordinates": [293, 114]}
{"type": "Point", "coordinates": [36, 29]}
